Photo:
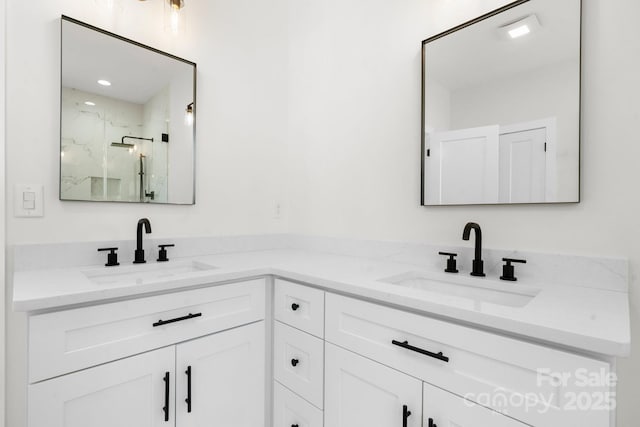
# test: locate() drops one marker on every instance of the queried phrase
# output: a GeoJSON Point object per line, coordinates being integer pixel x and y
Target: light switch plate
{"type": "Point", "coordinates": [28, 201]}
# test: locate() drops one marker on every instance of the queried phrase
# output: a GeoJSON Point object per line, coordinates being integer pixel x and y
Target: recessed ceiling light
{"type": "Point", "coordinates": [104, 82]}
{"type": "Point", "coordinates": [521, 27]}
{"type": "Point", "coordinates": [519, 31]}
{"type": "Point", "coordinates": [90, 104]}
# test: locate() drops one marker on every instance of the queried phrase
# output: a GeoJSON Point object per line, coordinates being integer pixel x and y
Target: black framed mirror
{"type": "Point", "coordinates": [127, 120]}
{"type": "Point", "coordinates": [501, 107]}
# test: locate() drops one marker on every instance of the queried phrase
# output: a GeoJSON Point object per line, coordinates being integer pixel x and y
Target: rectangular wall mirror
{"type": "Point", "coordinates": [501, 107]}
{"type": "Point", "coordinates": [127, 120]}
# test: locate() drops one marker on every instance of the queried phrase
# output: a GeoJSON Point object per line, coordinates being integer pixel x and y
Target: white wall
{"type": "Point", "coordinates": [354, 134]}
{"type": "Point", "coordinates": [2, 211]}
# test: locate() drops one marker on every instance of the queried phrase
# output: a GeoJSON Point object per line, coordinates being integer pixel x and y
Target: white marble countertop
{"type": "Point", "coordinates": [581, 318]}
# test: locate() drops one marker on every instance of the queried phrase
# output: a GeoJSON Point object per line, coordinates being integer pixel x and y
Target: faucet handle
{"type": "Point", "coordinates": [162, 254]}
{"type": "Point", "coordinates": [507, 269]}
{"type": "Point", "coordinates": [451, 262]}
{"type": "Point", "coordinates": [112, 257]}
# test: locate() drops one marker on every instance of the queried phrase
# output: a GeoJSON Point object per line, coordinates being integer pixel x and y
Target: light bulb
{"type": "Point", "coordinates": [188, 117]}
{"type": "Point", "coordinates": [175, 19]}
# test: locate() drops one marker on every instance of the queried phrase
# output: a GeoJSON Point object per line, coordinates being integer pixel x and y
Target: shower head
{"type": "Point", "coordinates": [122, 145]}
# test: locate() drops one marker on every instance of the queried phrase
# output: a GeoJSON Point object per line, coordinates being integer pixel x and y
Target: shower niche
{"type": "Point", "coordinates": [127, 128]}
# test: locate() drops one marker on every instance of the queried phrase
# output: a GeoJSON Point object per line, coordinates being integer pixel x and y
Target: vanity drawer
{"type": "Point", "coordinates": [496, 371]}
{"type": "Point", "coordinates": [299, 362]}
{"type": "Point", "coordinates": [300, 306]}
{"type": "Point", "coordinates": [66, 341]}
{"type": "Point", "coordinates": [289, 409]}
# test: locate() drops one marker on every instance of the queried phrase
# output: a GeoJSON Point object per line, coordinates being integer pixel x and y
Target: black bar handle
{"type": "Point", "coordinates": [166, 396]}
{"type": "Point", "coordinates": [188, 399]}
{"type": "Point", "coordinates": [405, 344]}
{"type": "Point", "coordinates": [177, 319]}
{"type": "Point", "coordinates": [431, 423]}
{"type": "Point", "coordinates": [294, 425]}
{"type": "Point", "coordinates": [405, 415]}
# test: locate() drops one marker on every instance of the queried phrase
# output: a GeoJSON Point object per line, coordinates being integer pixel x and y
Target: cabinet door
{"type": "Point", "coordinates": [444, 409]}
{"type": "Point", "coordinates": [360, 392]}
{"type": "Point", "coordinates": [221, 379]}
{"type": "Point", "coordinates": [131, 392]}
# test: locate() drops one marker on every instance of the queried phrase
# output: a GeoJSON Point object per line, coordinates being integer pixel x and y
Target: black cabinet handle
{"type": "Point", "coordinates": [177, 319]}
{"type": "Point", "coordinates": [166, 396]}
{"type": "Point", "coordinates": [295, 306]}
{"type": "Point", "coordinates": [294, 425]}
{"type": "Point", "coordinates": [405, 344]}
{"type": "Point", "coordinates": [188, 399]}
{"type": "Point", "coordinates": [294, 362]}
{"type": "Point", "coordinates": [405, 415]}
{"type": "Point", "coordinates": [431, 423]}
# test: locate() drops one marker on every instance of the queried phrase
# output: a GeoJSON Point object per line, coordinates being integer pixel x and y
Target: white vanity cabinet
{"type": "Point", "coordinates": [443, 409]}
{"type": "Point", "coordinates": [220, 379]}
{"type": "Point", "coordinates": [216, 378]}
{"type": "Point", "coordinates": [298, 355]}
{"type": "Point", "coordinates": [361, 392]}
{"type": "Point", "coordinates": [126, 393]}
{"type": "Point", "coordinates": [534, 384]}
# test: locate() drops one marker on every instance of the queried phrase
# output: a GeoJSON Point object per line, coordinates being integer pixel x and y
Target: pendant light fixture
{"type": "Point", "coordinates": [188, 117]}
{"type": "Point", "coordinates": [173, 16]}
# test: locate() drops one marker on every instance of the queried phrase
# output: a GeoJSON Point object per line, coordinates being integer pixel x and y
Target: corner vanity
{"type": "Point", "coordinates": [302, 337]}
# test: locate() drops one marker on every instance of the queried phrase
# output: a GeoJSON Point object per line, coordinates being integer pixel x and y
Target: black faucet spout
{"type": "Point", "coordinates": [478, 264]}
{"type": "Point", "coordinates": [139, 254]}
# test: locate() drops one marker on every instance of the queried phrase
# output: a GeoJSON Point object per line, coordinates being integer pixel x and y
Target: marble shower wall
{"type": "Point", "coordinates": [92, 169]}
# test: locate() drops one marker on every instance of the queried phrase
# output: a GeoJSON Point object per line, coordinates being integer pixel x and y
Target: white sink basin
{"type": "Point", "coordinates": [141, 273]}
{"type": "Point", "coordinates": [476, 289]}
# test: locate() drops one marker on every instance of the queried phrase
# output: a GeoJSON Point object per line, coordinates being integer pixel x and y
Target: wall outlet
{"type": "Point", "coordinates": [277, 210]}
{"type": "Point", "coordinates": [28, 201]}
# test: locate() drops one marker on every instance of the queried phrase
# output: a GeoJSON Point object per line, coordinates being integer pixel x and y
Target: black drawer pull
{"type": "Point", "coordinates": [294, 425]}
{"type": "Point", "coordinates": [405, 415]}
{"type": "Point", "coordinates": [166, 396]}
{"type": "Point", "coordinates": [295, 306]}
{"type": "Point", "coordinates": [177, 319]}
{"type": "Point", "coordinates": [188, 399]}
{"type": "Point", "coordinates": [294, 362]}
{"type": "Point", "coordinates": [431, 423]}
{"type": "Point", "coordinates": [405, 344]}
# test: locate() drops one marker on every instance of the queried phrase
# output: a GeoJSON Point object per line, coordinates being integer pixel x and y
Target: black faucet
{"type": "Point", "coordinates": [139, 251]}
{"type": "Point", "coordinates": [478, 264]}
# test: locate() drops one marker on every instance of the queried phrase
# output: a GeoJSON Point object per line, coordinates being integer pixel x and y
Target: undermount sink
{"type": "Point", "coordinates": [479, 290]}
{"type": "Point", "coordinates": [142, 273]}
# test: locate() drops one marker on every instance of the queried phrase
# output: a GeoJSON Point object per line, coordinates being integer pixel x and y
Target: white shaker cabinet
{"type": "Point", "coordinates": [360, 392]}
{"type": "Point", "coordinates": [444, 409]}
{"type": "Point", "coordinates": [128, 393]}
{"type": "Point", "coordinates": [188, 359]}
{"type": "Point", "coordinates": [221, 379]}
